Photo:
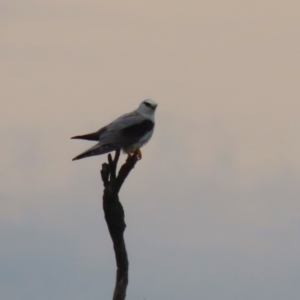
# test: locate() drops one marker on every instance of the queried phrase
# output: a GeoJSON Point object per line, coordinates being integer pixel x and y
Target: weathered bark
{"type": "Point", "coordinates": [114, 216]}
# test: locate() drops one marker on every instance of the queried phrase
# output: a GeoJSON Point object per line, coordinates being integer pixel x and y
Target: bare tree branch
{"type": "Point", "coordinates": [114, 215]}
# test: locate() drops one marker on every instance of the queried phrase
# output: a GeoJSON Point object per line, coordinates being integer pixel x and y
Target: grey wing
{"type": "Point", "coordinates": [125, 130]}
{"type": "Point", "coordinates": [126, 121]}
{"type": "Point", "coordinates": [94, 136]}
{"type": "Point", "coordinates": [118, 124]}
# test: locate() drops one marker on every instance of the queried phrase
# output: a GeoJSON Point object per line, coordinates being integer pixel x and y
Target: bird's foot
{"type": "Point", "coordinates": [138, 153]}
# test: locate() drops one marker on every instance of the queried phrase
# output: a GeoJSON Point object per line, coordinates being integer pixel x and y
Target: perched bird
{"type": "Point", "coordinates": [128, 133]}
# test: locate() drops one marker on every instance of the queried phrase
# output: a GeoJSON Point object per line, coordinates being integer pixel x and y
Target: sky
{"type": "Point", "coordinates": [212, 209]}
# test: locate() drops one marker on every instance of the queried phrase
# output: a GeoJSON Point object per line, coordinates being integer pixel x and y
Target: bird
{"type": "Point", "coordinates": [128, 133]}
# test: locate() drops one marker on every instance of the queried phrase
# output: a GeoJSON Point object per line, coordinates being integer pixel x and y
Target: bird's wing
{"type": "Point", "coordinates": [94, 136]}
{"type": "Point", "coordinates": [126, 130]}
{"type": "Point", "coordinates": [125, 121]}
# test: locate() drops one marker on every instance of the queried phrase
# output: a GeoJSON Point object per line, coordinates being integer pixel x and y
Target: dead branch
{"type": "Point", "coordinates": [114, 215]}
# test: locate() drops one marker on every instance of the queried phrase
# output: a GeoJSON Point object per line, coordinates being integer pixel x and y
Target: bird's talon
{"type": "Point", "coordinates": [138, 154]}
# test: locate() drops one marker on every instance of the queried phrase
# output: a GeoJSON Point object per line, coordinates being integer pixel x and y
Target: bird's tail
{"type": "Point", "coordinates": [96, 150]}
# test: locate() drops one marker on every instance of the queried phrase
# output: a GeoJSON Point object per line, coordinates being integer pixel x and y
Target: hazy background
{"type": "Point", "coordinates": [212, 209]}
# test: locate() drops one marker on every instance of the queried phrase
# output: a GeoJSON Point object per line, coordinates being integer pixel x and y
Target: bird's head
{"type": "Point", "coordinates": [148, 106]}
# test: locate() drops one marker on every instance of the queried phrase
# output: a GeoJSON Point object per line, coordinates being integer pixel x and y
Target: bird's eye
{"type": "Point", "coordinates": [148, 104]}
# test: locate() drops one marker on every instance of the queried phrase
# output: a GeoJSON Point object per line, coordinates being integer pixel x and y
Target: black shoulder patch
{"type": "Point", "coordinates": [138, 130]}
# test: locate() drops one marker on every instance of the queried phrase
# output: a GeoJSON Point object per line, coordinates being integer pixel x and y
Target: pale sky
{"type": "Point", "coordinates": [212, 209]}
